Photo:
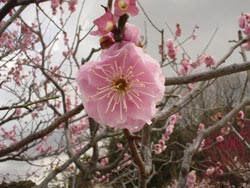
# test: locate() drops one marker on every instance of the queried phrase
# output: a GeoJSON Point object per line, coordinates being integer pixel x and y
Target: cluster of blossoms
{"type": "Point", "coordinates": [226, 130]}
{"type": "Point", "coordinates": [161, 146]}
{"type": "Point", "coordinates": [105, 178]}
{"type": "Point", "coordinates": [170, 51]}
{"type": "Point", "coordinates": [240, 121]}
{"type": "Point", "coordinates": [121, 90]}
{"type": "Point", "coordinates": [42, 147]}
{"type": "Point", "coordinates": [9, 135]}
{"type": "Point", "coordinates": [214, 171]}
{"type": "Point", "coordinates": [78, 129]}
{"type": "Point", "coordinates": [244, 24]}
{"type": "Point", "coordinates": [9, 42]}
{"type": "Point", "coordinates": [191, 179]}
{"type": "Point", "coordinates": [187, 64]}
{"type": "Point", "coordinates": [56, 3]}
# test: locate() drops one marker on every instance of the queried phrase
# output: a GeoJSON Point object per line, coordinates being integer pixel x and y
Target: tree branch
{"type": "Point", "coordinates": [14, 3]}
{"type": "Point", "coordinates": [137, 159]}
{"type": "Point", "coordinates": [42, 133]}
{"type": "Point", "coordinates": [211, 74]}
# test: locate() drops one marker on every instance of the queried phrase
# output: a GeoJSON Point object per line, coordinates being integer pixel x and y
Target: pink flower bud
{"type": "Point", "coordinates": [178, 30]}
{"type": "Point", "coordinates": [242, 21]}
{"type": "Point", "coordinates": [209, 61]}
{"type": "Point", "coordinates": [170, 43]}
{"type": "Point", "coordinates": [241, 114]}
{"type": "Point", "coordinates": [220, 139]}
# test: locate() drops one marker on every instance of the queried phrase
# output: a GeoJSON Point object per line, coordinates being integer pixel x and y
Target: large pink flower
{"type": "Point", "coordinates": [121, 90]}
{"type": "Point", "coordinates": [126, 6]}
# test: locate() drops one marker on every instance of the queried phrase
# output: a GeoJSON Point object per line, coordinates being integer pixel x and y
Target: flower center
{"type": "Point", "coordinates": [122, 5]}
{"type": "Point", "coordinates": [121, 84]}
{"type": "Point", "coordinates": [109, 26]}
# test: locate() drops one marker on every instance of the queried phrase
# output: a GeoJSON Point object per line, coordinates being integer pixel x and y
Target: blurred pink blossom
{"type": "Point", "coordinates": [242, 21]}
{"type": "Point", "coordinates": [241, 114]}
{"type": "Point", "coordinates": [72, 5]}
{"type": "Point", "coordinates": [185, 66]}
{"type": "Point", "coordinates": [210, 171]}
{"type": "Point", "coordinates": [246, 46]}
{"type": "Point", "coordinates": [209, 61]}
{"type": "Point", "coordinates": [158, 148]}
{"type": "Point", "coordinates": [104, 161]}
{"type": "Point", "coordinates": [225, 130]}
{"type": "Point", "coordinates": [172, 53]}
{"type": "Point", "coordinates": [132, 33]}
{"type": "Point", "coordinates": [178, 30]}
{"type": "Point", "coordinates": [170, 43]}
{"type": "Point", "coordinates": [220, 138]}
{"type": "Point", "coordinates": [119, 145]}
{"type": "Point", "coordinates": [191, 179]}
{"type": "Point", "coordinates": [18, 111]}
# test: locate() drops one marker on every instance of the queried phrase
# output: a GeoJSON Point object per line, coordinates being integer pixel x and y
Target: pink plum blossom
{"type": "Point", "coordinates": [219, 138]}
{"type": "Point", "coordinates": [201, 126]}
{"type": "Point", "coordinates": [185, 66]}
{"type": "Point", "coordinates": [105, 23]}
{"type": "Point", "coordinates": [18, 111]}
{"type": "Point", "coordinates": [198, 61]}
{"type": "Point", "coordinates": [172, 50]}
{"type": "Point", "coordinates": [178, 30]}
{"type": "Point", "coordinates": [225, 130]}
{"type": "Point", "coordinates": [104, 161]}
{"type": "Point", "coordinates": [170, 43]}
{"type": "Point", "coordinates": [11, 135]}
{"type": "Point", "coordinates": [172, 53]}
{"type": "Point", "coordinates": [169, 129]}
{"type": "Point", "coordinates": [242, 21]}
{"type": "Point", "coordinates": [209, 61]}
{"type": "Point", "coordinates": [247, 30]}
{"type": "Point", "coordinates": [173, 118]}
{"type": "Point", "coordinates": [246, 46]}
{"type": "Point", "coordinates": [132, 33]}
{"type": "Point", "coordinates": [54, 5]}
{"type": "Point", "coordinates": [191, 179]}
{"type": "Point", "coordinates": [126, 6]}
{"type": "Point", "coordinates": [72, 5]}
{"type": "Point", "coordinates": [122, 89]}
{"type": "Point", "coordinates": [241, 114]}
{"type": "Point", "coordinates": [159, 148]}
{"type": "Point", "coordinates": [77, 130]}
{"type": "Point", "coordinates": [119, 145]}
{"type": "Point", "coordinates": [210, 171]}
